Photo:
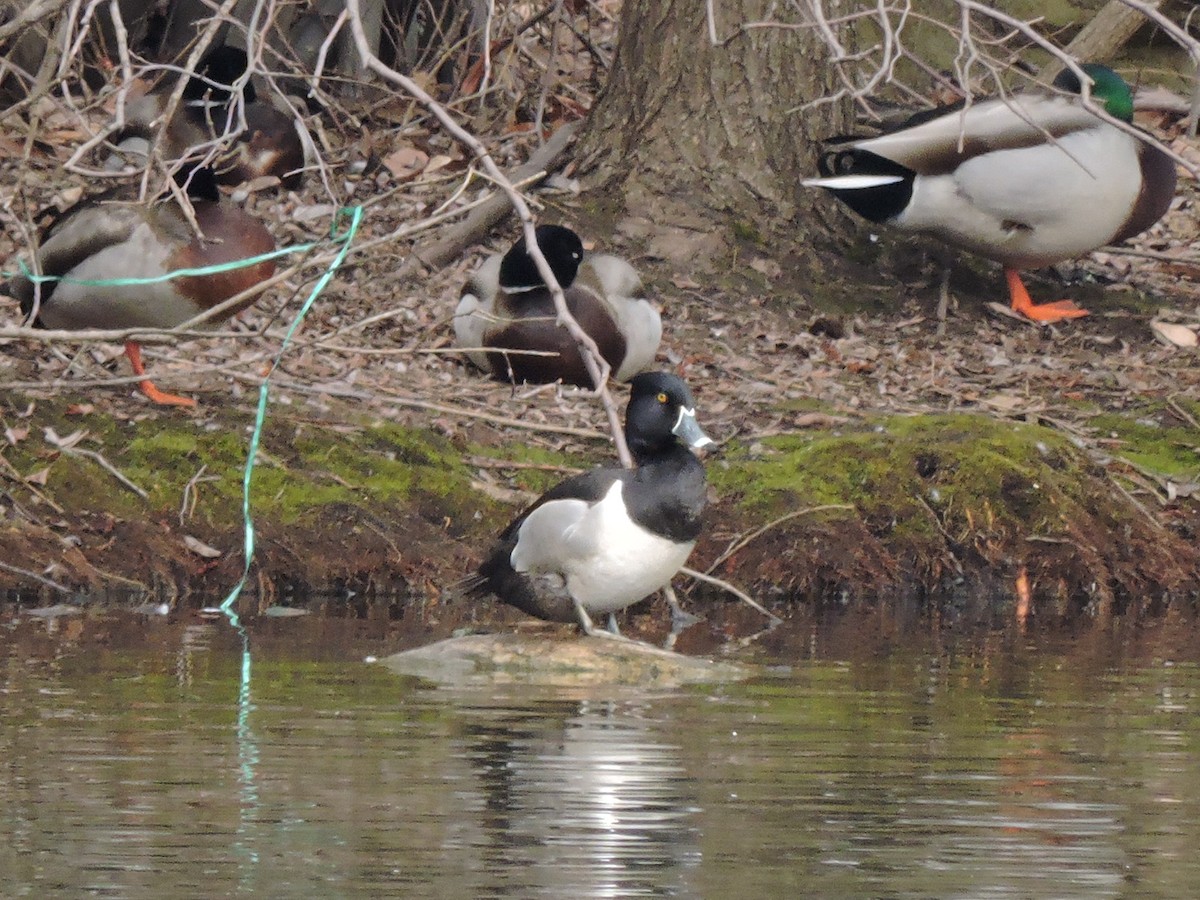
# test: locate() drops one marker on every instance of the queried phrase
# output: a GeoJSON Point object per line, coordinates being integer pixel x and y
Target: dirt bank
{"type": "Point", "coordinates": [930, 515]}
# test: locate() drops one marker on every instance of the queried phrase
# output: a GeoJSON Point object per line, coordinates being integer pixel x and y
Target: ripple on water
{"type": "Point", "coordinates": [131, 770]}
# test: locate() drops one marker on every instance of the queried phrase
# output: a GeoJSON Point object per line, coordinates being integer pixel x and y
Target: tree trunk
{"type": "Point", "coordinates": [703, 145]}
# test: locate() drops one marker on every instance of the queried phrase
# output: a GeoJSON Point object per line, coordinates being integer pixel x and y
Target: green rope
{"type": "Point", "coordinates": [215, 269]}
{"type": "Point", "coordinates": [355, 214]}
{"type": "Point", "coordinates": [345, 239]}
{"type": "Point", "coordinates": [248, 752]}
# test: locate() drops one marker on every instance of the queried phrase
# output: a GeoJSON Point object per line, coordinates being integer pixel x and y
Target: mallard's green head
{"type": "Point", "coordinates": [1108, 89]}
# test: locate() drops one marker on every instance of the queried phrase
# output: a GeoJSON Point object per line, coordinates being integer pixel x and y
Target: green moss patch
{"type": "Point", "coordinates": [923, 474]}
{"type": "Point", "coordinates": [932, 498]}
{"type": "Point", "coordinates": [1146, 440]}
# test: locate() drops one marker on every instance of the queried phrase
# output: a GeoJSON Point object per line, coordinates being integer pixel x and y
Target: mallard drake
{"type": "Point", "coordinates": [269, 145]}
{"type": "Point", "coordinates": [1027, 181]}
{"type": "Point", "coordinates": [506, 305]}
{"type": "Point", "coordinates": [601, 541]}
{"type": "Point", "coordinates": [105, 240]}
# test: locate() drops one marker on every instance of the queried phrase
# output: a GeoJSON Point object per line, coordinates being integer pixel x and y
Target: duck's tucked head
{"type": "Point", "coordinates": [563, 251]}
{"type": "Point", "coordinates": [216, 74]}
{"type": "Point", "coordinates": [661, 413]}
{"type": "Point", "coordinates": [1109, 89]}
{"type": "Point", "coordinates": [199, 183]}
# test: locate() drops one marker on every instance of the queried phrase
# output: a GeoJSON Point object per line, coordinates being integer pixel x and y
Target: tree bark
{"type": "Point", "coordinates": [702, 144]}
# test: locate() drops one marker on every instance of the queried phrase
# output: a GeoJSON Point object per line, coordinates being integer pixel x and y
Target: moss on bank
{"type": "Point", "coordinates": [924, 475]}
{"type": "Point", "coordinates": [935, 507]}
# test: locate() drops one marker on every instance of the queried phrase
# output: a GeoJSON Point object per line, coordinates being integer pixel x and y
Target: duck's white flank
{"type": "Point", "coordinates": [608, 560]}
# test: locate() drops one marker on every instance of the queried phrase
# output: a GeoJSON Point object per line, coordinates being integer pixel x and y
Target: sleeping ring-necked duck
{"type": "Point", "coordinates": [507, 305]}
{"type": "Point", "coordinates": [1027, 179]}
{"type": "Point", "coordinates": [99, 240]}
{"type": "Point", "coordinates": [601, 541]}
{"type": "Point", "coordinates": [269, 145]}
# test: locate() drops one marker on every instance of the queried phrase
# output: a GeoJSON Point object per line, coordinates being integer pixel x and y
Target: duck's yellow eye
{"type": "Point", "coordinates": [662, 398]}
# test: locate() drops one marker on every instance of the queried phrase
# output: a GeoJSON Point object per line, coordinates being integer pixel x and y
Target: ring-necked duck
{"type": "Point", "coordinates": [1027, 180]}
{"type": "Point", "coordinates": [100, 240]}
{"type": "Point", "coordinates": [601, 541]}
{"type": "Point", "coordinates": [507, 305]}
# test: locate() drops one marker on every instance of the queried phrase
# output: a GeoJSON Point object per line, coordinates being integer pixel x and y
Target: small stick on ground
{"type": "Point", "coordinates": [943, 303]}
{"type": "Point", "coordinates": [41, 579]}
{"type": "Point", "coordinates": [726, 586]}
{"type": "Point", "coordinates": [99, 459]}
{"type": "Point", "coordinates": [739, 543]}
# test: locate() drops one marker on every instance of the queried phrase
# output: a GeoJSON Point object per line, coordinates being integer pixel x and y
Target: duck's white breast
{"type": "Point", "coordinates": [609, 561]}
{"type": "Point", "coordinates": [476, 310]}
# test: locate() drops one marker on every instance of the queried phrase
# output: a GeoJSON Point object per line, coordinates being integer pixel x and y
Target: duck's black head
{"type": "Point", "coordinates": [563, 251]}
{"type": "Point", "coordinates": [224, 65]}
{"type": "Point", "coordinates": [660, 415]}
{"type": "Point", "coordinates": [199, 183]}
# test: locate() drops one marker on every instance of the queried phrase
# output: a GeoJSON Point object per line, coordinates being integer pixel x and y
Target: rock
{"type": "Point", "coordinates": [565, 661]}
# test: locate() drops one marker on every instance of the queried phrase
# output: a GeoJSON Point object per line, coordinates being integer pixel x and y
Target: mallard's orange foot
{"type": "Point", "coordinates": [162, 397]}
{"type": "Point", "coordinates": [1055, 311]}
{"type": "Point", "coordinates": [134, 351]}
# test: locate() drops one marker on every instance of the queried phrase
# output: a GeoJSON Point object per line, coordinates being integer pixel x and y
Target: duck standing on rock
{"type": "Point", "coordinates": [1026, 180]}
{"type": "Point", "coordinates": [506, 306]}
{"type": "Point", "coordinates": [601, 541]}
{"type": "Point", "coordinates": [103, 240]}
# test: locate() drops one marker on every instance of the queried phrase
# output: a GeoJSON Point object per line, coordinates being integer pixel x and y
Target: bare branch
{"type": "Point", "coordinates": [596, 365]}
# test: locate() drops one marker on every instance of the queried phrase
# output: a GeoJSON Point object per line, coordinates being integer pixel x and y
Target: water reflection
{"type": "Point", "coordinates": [580, 799]}
{"type": "Point", "coordinates": [994, 771]}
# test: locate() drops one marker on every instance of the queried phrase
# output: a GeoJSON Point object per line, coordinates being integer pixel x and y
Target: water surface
{"type": "Point", "coordinates": [133, 766]}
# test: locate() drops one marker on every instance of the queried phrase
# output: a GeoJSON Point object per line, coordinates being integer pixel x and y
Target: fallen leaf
{"type": "Point", "coordinates": [15, 435]}
{"type": "Point", "coordinates": [767, 267]}
{"type": "Point", "coordinates": [284, 612]}
{"type": "Point", "coordinates": [40, 477]}
{"type": "Point", "coordinates": [81, 409]}
{"type": "Point", "coordinates": [1004, 402]}
{"type": "Point", "coordinates": [68, 198]}
{"type": "Point", "coordinates": [309, 212]}
{"type": "Point", "coordinates": [200, 548]}
{"type": "Point", "coordinates": [406, 162]}
{"type": "Point", "coordinates": [1173, 335]}
{"type": "Point", "coordinates": [261, 183]}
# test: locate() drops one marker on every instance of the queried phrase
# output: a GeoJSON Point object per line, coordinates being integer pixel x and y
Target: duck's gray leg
{"type": "Point", "coordinates": [680, 617]}
{"type": "Point", "coordinates": [590, 629]}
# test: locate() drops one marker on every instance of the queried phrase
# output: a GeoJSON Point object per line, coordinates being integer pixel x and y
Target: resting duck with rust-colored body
{"type": "Point", "coordinates": [506, 305]}
{"type": "Point", "coordinates": [101, 240]}
{"type": "Point", "coordinates": [269, 145]}
{"type": "Point", "coordinates": [1028, 180]}
{"type": "Point", "coordinates": [601, 541]}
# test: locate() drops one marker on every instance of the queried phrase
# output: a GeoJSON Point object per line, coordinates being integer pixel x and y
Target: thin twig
{"type": "Point", "coordinates": [595, 363]}
{"type": "Point", "coordinates": [25, 573]}
{"type": "Point", "coordinates": [191, 495]}
{"type": "Point", "coordinates": [1173, 403]}
{"type": "Point", "coordinates": [726, 586]}
{"type": "Point", "coordinates": [739, 543]}
{"type": "Point", "coordinates": [20, 479]}
{"type": "Point", "coordinates": [99, 459]}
